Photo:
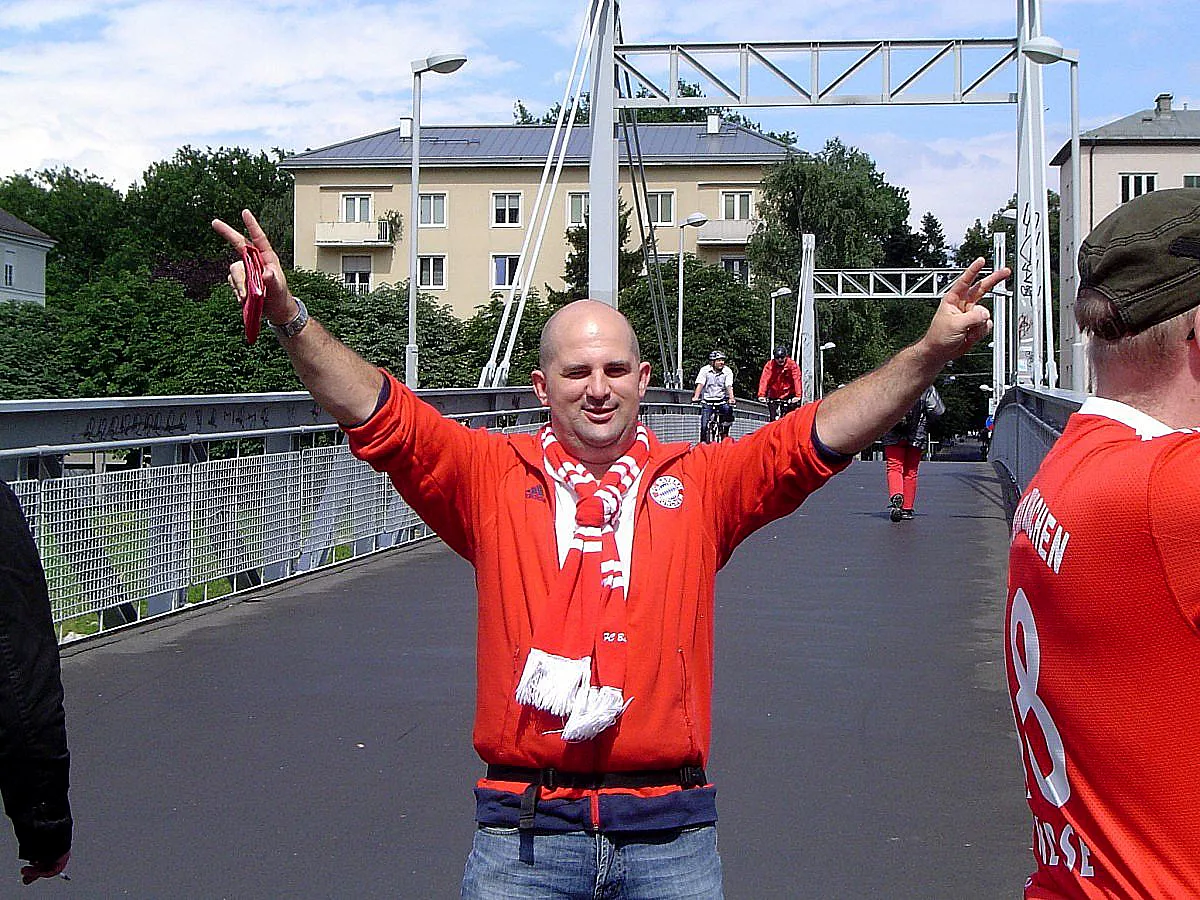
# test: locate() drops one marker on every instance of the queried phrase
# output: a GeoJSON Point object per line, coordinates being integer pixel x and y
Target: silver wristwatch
{"type": "Point", "coordinates": [294, 327]}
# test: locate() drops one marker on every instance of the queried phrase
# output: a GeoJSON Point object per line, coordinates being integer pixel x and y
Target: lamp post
{"type": "Point", "coordinates": [1046, 51]}
{"type": "Point", "coordinates": [775, 295]}
{"type": "Point", "coordinates": [443, 64]}
{"type": "Point", "coordinates": [695, 220]}
{"type": "Point", "coordinates": [828, 345]}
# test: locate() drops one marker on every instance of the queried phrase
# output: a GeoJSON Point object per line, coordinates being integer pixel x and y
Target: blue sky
{"type": "Point", "coordinates": [112, 86]}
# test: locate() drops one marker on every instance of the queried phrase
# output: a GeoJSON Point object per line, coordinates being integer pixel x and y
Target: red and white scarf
{"type": "Point", "coordinates": [576, 666]}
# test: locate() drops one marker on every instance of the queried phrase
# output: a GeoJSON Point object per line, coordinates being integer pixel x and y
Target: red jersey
{"type": "Point", "coordinates": [1102, 655]}
{"type": "Point", "coordinates": [780, 380]}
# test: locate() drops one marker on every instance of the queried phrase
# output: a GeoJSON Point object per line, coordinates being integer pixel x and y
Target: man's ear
{"type": "Point", "coordinates": [643, 378]}
{"type": "Point", "coordinates": [539, 386]}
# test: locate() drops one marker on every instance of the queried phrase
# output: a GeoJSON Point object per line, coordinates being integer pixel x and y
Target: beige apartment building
{"type": "Point", "coordinates": [1147, 151]}
{"type": "Point", "coordinates": [478, 185]}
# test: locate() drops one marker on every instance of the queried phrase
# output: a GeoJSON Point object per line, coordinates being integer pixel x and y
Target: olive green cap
{"type": "Point", "coordinates": [1145, 258]}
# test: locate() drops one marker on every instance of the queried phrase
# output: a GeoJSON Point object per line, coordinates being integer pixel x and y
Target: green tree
{"type": "Point", "coordinates": [839, 196]}
{"type": "Point", "coordinates": [630, 262]}
{"type": "Point", "coordinates": [178, 198]}
{"type": "Point", "coordinates": [720, 312]}
{"type": "Point", "coordinates": [479, 336]}
{"type": "Point", "coordinates": [859, 221]}
{"type": "Point", "coordinates": [30, 364]}
{"type": "Point", "coordinates": [85, 215]}
{"type": "Point", "coordinates": [934, 253]}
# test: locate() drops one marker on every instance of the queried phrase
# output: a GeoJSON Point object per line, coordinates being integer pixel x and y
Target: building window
{"type": "Point", "coordinates": [1191, 181]}
{"type": "Point", "coordinates": [1134, 184]}
{"type": "Point", "coordinates": [577, 208]}
{"type": "Point", "coordinates": [10, 267]}
{"type": "Point", "coordinates": [506, 209]}
{"type": "Point", "coordinates": [356, 274]}
{"type": "Point", "coordinates": [661, 207]}
{"type": "Point", "coordinates": [504, 271]}
{"type": "Point", "coordinates": [356, 207]}
{"type": "Point", "coordinates": [735, 204]}
{"type": "Point", "coordinates": [431, 272]}
{"type": "Point", "coordinates": [738, 267]}
{"type": "Point", "coordinates": [433, 210]}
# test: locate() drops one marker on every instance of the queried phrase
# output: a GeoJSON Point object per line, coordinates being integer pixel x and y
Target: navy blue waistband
{"type": "Point", "coordinates": [618, 811]}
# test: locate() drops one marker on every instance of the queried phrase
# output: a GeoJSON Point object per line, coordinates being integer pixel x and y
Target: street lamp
{"type": "Point", "coordinates": [695, 220]}
{"type": "Point", "coordinates": [828, 345]}
{"type": "Point", "coordinates": [443, 64]}
{"type": "Point", "coordinates": [1046, 51]}
{"type": "Point", "coordinates": [775, 295]}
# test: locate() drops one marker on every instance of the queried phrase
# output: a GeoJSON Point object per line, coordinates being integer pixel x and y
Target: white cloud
{"type": "Point", "coordinates": [958, 180]}
{"type": "Point", "coordinates": [157, 75]}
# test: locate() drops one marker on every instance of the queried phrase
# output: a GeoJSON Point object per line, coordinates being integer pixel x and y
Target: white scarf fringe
{"type": "Point", "coordinates": [595, 709]}
{"type": "Point", "coordinates": [552, 682]}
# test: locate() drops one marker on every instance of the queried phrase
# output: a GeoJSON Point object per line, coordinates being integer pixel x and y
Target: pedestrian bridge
{"type": "Point", "coordinates": [307, 733]}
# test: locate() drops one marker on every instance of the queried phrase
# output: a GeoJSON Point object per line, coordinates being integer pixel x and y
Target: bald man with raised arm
{"type": "Point", "coordinates": [596, 549]}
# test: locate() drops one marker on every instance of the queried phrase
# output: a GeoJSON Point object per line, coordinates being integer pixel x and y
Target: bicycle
{"type": "Point", "coordinates": [716, 428]}
{"type": "Point", "coordinates": [779, 407]}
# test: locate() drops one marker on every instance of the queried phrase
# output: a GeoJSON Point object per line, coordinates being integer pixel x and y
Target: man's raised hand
{"type": "Point", "coordinates": [278, 307]}
{"type": "Point", "coordinates": [960, 321]}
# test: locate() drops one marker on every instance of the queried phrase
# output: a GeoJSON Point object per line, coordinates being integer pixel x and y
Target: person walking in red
{"type": "Point", "coordinates": [902, 448]}
{"type": "Point", "coordinates": [780, 383]}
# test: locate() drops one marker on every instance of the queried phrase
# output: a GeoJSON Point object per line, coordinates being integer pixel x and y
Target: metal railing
{"type": "Point", "coordinates": [1028, 422]}
{"type": "Point", "coordinates": [121, 547]}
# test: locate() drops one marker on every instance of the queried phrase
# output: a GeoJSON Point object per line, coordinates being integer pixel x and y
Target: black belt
{"type": "Point", "coordinates": [684, 776]}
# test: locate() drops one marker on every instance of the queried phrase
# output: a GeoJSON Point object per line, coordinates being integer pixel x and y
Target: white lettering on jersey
{"type": "Point", "coordinates": [1045, 532]}
{"type": "Point", "coordinates": [1075, 855]}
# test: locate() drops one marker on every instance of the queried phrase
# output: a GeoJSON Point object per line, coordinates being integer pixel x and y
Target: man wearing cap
{"type": "Point", "coordinates": [1102, 649]}
{"type": "Point", "coordinates": [780, 383]}
{"type": "Point", "coordinates": [714, 383]}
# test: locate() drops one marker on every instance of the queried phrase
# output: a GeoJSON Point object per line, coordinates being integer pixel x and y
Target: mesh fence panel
{"type": "Point", "coordinates": [30, 499]}
{"type": "Point", "coordinates": [113, 538]}
{"type": "Point", "coordinates": [118, 539]}
{"type": "Point", "coordinates": [342, 498]}
{"type": "Point", "coordinates": [246, 514]}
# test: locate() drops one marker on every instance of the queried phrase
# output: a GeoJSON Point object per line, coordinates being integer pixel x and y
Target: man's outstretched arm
{"type": "Point", "coordinates": [851, 418]}
{"type": "Point", "coordinates": [342, 382]}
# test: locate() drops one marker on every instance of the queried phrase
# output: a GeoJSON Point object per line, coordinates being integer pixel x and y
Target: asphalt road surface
{"type": "Point", "coordinates": [316, 742]}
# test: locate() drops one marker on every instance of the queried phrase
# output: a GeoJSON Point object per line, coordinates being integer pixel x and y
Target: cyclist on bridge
{"type": "Point", "coordinates": [780, 385]}
{"type": "Point", "coordinates": [714, 390]}
{"type": "Point", "coordinates": [596, 549]}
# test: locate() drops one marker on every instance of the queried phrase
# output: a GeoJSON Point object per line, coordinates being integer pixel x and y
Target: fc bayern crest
{"type": "Point", "coordinates": [667, 492]}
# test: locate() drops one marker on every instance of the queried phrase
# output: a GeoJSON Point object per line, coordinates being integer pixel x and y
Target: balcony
{"type": "Point", "coordinates": [726, 231]}
{"type": "Point", "coordinates": [353, 234]}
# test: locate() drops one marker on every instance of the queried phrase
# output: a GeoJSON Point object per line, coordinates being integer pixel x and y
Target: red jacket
{"type": "Point", "coordinates": [780, 381]}
{"type": "Point", "coordinates": [489, 498]}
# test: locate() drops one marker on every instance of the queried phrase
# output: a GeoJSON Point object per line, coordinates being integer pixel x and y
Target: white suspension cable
{"type": "Point", "coordinates": [545, 214]}
{"type": "Point", "coordinates": [492, 374]}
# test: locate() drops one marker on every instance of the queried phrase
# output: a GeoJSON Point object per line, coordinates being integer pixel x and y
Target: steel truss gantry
{"type": "Point", "coordinates": [883, 284]}
{"type": "Point", "coordinates": [818, 73]}
{"type": "Point", "coordinates": [833, 73]}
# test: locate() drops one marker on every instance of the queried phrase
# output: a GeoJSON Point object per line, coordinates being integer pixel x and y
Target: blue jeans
{"type": "Point", "coordinates": [679, 864]}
